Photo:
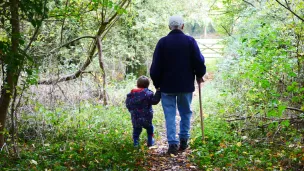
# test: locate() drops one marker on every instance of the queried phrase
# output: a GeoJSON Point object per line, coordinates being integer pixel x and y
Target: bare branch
{"type": "Point", "coordinates": [62, 92]}
{"type": "Point", "coordinates": [82, 68]}
{"type": "Point", "coordinates": [71, 76]}
{"type": "Point", "coordinates": [100, 33]}
{"type": "Point", "coordinates": [226, 30]}
{"type": "Point", "coordinates": [74, 40]}
{"type": "Point", "coordinates": [63, 22]}
{"type": "Point", "coordinates": [211, 6]}
{"type": "Point", "coordinates": [108, 28]}
{"type": "Point", "coordinates": [123, 3]}
{"type": "Point", "coordinates": [264, 118]}
{"type": "Point", "coordinates": [288, 8]}
{"type": "Point", "coordinates": [292, 108]}
{"type": "Point", "coordinates": [102, 70]}
{"type": "Point", "coordinates": [249, 3]}
{"type": "Point", "coordinates": [33, 38]}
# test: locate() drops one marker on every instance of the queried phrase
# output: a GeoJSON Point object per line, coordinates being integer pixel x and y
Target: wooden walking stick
{"type": "Point", "coordinates": [201, 111]}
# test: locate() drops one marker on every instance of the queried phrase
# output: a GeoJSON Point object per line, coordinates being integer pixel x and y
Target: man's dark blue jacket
{"type": "Point", "coordinates": [176, 61]}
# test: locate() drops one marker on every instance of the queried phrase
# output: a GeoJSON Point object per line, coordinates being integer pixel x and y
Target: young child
{"type": "Point", "coordinates": [139, 103]}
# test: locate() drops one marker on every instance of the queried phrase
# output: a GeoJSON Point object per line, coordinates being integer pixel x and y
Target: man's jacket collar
{"type": "Point", "coordinates": [176, 31]}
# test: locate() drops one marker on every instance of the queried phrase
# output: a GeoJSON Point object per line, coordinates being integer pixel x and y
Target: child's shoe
{"type": "Point", "coordinates": [151, 140]}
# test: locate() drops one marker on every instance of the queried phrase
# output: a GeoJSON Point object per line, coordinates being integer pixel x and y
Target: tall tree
{"type": "Point", "coordinates": [14, 61]}
{"type": "Point", "coordinates": [21, 53]}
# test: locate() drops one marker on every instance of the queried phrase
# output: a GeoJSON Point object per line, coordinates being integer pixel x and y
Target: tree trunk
{"type": "Point", "coordinates": [205, 29]}
{"type": "Point", "coordinates": [11, 77]}
{"type": "Point", "coordinates": [5, 99]}
{"type": "Point", "coordinates": [102, 70]}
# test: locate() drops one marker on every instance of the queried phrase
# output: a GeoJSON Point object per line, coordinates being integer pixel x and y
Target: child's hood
{"type": "Point", "coordinates": [137, 90]}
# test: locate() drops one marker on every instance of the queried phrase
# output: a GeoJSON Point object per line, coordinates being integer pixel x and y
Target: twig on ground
{"type": "Point", "coordinates": [292, 108]}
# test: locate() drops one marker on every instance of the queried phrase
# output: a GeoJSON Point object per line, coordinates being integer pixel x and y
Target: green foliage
{"type": "Point", "coordinates": [255, 90]}
{"type": "Point", "coordinates": [137, 33]}
{"type": "Point", "coordinates": [227, 148]}
{"type": "Point", "coordinates": [96, 138]}
{"type": "Point", "coordinates": [249, 124]}
{"type": "Point", "coordinates": [264, 65]}
{"type": "Point", "coordinates": [34, 11]}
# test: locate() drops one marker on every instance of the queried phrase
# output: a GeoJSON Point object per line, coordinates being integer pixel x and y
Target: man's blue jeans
{"type": "Point", "coordinates": [183, 102]}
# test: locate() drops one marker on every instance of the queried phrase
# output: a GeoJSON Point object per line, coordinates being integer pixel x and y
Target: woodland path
{"type": "Point", "coordinates": [158, 158]}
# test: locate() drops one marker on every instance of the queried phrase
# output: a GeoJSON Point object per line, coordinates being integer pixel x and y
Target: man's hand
{"type": "Point", "coordinates": [199, 80]}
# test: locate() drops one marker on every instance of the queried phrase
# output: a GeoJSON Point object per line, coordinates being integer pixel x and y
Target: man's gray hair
{"type": "Point", "coordinates": [176, 22]}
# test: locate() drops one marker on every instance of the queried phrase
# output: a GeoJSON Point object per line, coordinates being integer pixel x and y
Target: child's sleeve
{"type": "Point", "coordinates": [128, 105]}
{"type": "Point", "coordinates": [155, 99]}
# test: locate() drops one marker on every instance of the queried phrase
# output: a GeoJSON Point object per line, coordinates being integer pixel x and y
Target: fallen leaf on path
{"type": "Point", "coordinates": [180, 160]}
{"type": "Point", "coordinates": [163, 158]}
{"type": "Point", "coordinates": [223, 145]}
{"type": "Point", "coordinates": [96, 161]}
{"type": "Point", "coordinates": [153, 147]}
{"type": "Point", "coordinates": [34, 162]}
{"type": "Point", "coordinates": [228, 164]}
{"type": "Point", "coordinates": [175, 167]}
{"type": "Point", "coordinates": [257, 161]}
{"type": "Point", "coordinates": [172, 155]}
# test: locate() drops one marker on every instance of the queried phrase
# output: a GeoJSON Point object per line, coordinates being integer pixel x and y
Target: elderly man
{"type": "Point", "coordinates": [176, 61]}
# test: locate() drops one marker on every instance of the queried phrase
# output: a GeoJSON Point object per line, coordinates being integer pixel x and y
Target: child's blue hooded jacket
{"type": "Point", "coordinates": [139, 103]}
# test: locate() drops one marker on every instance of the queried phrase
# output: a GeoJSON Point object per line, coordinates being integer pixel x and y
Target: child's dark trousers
{"type": "Point", "coordinates": [137, 131]}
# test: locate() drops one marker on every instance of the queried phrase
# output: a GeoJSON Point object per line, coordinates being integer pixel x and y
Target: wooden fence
{"type": "Point", "coordinates": [211, 48]}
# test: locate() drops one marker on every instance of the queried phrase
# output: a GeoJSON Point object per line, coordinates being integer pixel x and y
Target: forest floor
{"type": "Point", "coordinates": [158, 158]}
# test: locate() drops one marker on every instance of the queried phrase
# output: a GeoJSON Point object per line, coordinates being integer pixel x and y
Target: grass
{"type": "Point", "coordinates": [211, 64]}
{"type": "Point", "coordinates": [97, 138]}
{"type": "Point", "coordinates": [87, 137]}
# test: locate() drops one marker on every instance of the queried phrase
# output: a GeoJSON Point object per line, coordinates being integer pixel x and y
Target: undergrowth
{"type": "Point", "coordinates": [229, 147]}
{"type": "Point", "coordinates": [97, 138]}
